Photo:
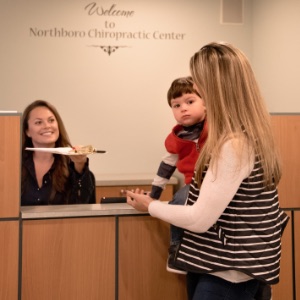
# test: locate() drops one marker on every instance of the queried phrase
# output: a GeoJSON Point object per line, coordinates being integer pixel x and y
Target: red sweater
{"type": "Point", "coordinates": [188, 151]}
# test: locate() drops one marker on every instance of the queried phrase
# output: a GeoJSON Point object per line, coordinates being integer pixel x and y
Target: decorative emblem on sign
{"type": "Point", "coordinates": [108, 49]}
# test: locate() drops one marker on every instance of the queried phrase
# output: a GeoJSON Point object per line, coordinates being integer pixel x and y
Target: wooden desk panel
{"type": "Point", "coordinates": [284, 289]}
{"type": "Point", "coordinates": [287, 134]}
{"type": "Point", "coordinates": [69, 259]}
{"type": "Point", "coordinates": [10, 166]}
{"type": "Point", "coordinates": [9, 259]}
{"type": "Point", "coordinates": [143, 252]}
{"type": "Point", "coordinates": [297, 253]}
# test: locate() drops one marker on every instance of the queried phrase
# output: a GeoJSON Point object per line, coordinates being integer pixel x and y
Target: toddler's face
{"type": "Point", "coordinates": [188, 109]}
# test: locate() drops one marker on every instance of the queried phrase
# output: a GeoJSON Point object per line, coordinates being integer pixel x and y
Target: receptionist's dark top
{"type": "Point", "coordinates": [80, 188]}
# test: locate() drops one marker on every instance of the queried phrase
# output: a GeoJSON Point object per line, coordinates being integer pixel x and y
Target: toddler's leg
{"type": "Point", "coordinates": [176, 232]}
{"type": "Point", "coordinates": [180, 196]}
{"type": "Point", "coordinates": [178, 199]}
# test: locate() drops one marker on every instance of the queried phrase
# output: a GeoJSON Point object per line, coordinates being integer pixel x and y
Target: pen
{"type": "Point", "coordinates": [99, 151]}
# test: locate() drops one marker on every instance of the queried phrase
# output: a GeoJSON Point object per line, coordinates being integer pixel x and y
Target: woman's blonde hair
{"type": "Point", "coordinates": [226, 83]}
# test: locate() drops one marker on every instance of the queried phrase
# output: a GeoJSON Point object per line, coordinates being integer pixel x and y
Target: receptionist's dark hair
{"type": "Point", "coordinates": [61, 172]}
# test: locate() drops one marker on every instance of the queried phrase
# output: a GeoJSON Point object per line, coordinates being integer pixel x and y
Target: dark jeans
{"type": "Point", "coordinates": [264, 292]}
{"type": "Point", "coordinates": [209, 287]}
{"type": "Point", "coordinates": [178, 199]}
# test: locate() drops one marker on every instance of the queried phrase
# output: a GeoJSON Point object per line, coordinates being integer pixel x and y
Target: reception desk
{"type": "Point", "coordinates": [111, 251]}
{"type": "Point", "coordinates": [95, 251]}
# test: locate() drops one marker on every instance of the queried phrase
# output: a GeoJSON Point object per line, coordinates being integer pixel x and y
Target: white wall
{"type": "Point", "coordinates": [118, 102]}
{"type": "Point", "coordinates": [276, 48]}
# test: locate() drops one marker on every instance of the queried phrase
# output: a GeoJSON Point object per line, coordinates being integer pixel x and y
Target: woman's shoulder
{"type": "Point", "coordinates": [236, 146]}
{"type": "Point", "coordinates": [233, 142]}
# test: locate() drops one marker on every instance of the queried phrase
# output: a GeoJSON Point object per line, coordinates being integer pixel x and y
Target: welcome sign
{"type": "Point", "coordinates": [109, 30]}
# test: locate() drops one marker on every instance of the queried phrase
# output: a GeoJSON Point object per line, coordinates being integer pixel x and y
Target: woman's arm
{"type": "Point", "coordinates": [217, 190]}
{"type": "Point", "coordinates": [79, 162]}
{"type": "Point", "coordinates": [82, 184]}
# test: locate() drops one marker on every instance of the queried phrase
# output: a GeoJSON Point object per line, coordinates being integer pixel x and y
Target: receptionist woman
{"type": "Point", "coordinates": [49, 178]}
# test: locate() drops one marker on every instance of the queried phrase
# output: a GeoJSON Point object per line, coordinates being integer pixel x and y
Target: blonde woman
{"type": "Point", "coordinates": [231, 243]}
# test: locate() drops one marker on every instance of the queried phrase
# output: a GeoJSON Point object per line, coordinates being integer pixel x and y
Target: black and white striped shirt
{"type": "Point", "coordinates": [246, 237]}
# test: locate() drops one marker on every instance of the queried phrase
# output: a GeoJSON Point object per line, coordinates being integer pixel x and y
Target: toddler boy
{"type": "Point", "coordinates": [183, 146]}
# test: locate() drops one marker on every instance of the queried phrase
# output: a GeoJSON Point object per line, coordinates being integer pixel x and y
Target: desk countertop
{"type": "Point", "coordinates": [127, 179]}
{"type": "Point", "coordinates": [90, 210]}
{"type": "Point", "coordinates": [77, 210]}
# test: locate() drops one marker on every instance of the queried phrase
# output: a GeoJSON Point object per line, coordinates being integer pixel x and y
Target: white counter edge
{"type": "Point", "coordinates": [77, 210]}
